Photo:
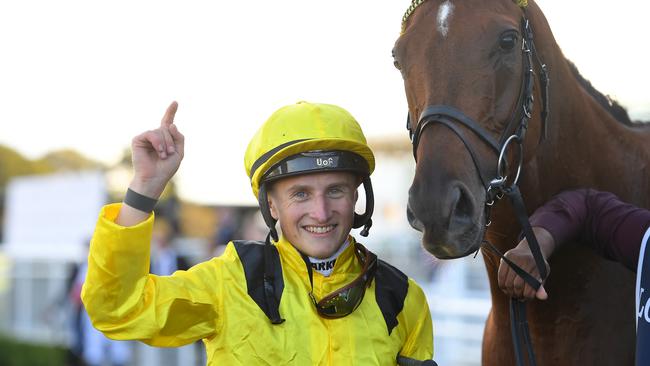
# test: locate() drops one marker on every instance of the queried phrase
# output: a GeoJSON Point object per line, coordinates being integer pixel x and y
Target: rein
{"type": "Point", "coordinates": [499, 186]}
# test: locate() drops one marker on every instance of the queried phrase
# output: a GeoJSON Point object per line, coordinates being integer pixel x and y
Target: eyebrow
{"type": "Point", "coordinates": [298, 187]}
{"type": "Point", "coordinates": [305, 187]}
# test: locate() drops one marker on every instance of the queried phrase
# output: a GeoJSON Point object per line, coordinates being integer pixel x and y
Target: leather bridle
{"type": "Point", "coordinates": [499, 185]}
{"type": "Point", "coordinates": [517, 125]}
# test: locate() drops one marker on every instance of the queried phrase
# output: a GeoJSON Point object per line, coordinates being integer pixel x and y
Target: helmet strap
{"type": "Point", "coordinates": [262, 197]}
{"type": "Point", "coordinates": [365, 218]}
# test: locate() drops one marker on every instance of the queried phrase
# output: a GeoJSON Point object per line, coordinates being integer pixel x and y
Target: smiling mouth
{"type": "Point", "coordinates": [319, 229]}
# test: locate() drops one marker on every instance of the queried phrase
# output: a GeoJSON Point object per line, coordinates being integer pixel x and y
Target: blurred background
{"type": "Point", "coordinates": [79, 79]}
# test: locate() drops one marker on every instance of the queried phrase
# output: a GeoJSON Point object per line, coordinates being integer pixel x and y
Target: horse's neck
{"type": "Point", "coordinates": [588, 147]}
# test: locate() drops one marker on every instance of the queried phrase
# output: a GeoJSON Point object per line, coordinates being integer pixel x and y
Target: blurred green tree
{"type": "Point", "coordinates": [68, 160]}
{"type": "Point", "coordinates": [13, 164]}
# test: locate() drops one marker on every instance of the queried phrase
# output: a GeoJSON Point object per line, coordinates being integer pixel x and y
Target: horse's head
{"type": "Point", "coordinates": [468, 87]}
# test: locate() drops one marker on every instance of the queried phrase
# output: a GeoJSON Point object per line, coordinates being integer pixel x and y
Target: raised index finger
{"type": "Point", "coordinates": [168, 118]}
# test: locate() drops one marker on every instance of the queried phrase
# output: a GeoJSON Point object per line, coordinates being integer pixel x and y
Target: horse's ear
{"type": "Point", "coordinates": [521, 3]}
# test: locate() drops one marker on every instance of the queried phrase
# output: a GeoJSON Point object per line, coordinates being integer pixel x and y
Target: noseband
{"type": "Point", "coordinates": [498, 186]}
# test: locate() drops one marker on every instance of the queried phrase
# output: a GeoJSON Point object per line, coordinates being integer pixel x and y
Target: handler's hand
{"type": "Point", "coordinates": [156, 155]}
{"type": "Point", "coordinates": [513, 285]}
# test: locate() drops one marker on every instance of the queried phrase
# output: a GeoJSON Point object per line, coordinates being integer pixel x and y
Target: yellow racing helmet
{"type": "Point", "coordinates": [306, 138]}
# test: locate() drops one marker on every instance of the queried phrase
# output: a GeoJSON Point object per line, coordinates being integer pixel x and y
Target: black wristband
{"type": "Point", "coordinates": [139, 202]}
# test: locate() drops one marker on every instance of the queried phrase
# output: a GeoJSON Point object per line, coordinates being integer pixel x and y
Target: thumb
{"type": "Point", "coordinates": [541, 293]}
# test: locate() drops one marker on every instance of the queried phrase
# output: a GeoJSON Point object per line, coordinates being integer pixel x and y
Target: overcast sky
{"type": "Point", "coordinates": [90, 75]}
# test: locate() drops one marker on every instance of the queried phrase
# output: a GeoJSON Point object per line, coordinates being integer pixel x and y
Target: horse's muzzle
{"type": "Point", "coordinates": [451, 224]}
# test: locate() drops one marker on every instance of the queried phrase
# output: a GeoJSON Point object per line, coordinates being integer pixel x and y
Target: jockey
{"type": "Point", "coordinates": [617, 230]}
{"type": "Point", "coordinates": [312, 295]}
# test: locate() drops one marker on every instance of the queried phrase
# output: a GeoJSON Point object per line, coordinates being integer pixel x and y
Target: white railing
{"type": "Point", "coordinates": [459, 309]}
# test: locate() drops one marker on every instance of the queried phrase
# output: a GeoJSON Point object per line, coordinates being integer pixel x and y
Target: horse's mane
{"type": "Point", "coordinates": [610, 105]}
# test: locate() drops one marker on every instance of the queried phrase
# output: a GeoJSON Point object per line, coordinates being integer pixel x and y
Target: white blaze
{"type": "Point", "coordinates": [444, 13]}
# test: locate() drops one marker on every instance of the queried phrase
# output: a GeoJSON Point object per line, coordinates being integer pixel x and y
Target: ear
{"type": "Point", "coordinates": [272, 208]}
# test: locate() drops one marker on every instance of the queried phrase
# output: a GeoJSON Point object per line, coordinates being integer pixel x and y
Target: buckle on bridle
{"type": "Point", "coordinates": [502, 164]}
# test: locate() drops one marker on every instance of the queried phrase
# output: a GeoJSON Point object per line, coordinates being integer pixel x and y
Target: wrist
{"type": "Point", "coordinates": [139, 201]}
{"type": "Point", "coordinates": [147, 187]}
{"type": "Point", "coordinates": [545, 240]}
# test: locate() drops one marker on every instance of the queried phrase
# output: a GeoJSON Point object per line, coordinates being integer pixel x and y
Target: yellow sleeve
{"type": "Point", "coordinates": [417, 317]}
{"type": "Point", "coordinates": [124, 301]}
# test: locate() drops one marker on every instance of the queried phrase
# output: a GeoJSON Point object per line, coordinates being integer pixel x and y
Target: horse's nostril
{"type": "Point", "coordinates": [462, 207]}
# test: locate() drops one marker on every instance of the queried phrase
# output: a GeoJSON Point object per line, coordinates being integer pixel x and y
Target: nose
{"type": "Point", "coordinates": [320, 209]}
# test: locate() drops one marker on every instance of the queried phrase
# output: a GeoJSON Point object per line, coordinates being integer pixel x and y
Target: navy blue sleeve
{"type": "Point", "coordinates": [599, 219]}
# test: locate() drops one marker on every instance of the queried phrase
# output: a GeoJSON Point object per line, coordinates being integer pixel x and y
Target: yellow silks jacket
{"type": "Point", "coordinates": [210, 302]}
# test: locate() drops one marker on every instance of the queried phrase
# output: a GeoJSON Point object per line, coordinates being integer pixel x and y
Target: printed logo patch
{"type": "Point", "coordinates": [323, 266]}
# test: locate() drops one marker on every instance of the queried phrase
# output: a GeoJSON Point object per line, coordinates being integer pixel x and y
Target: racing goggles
{"type": "Point", "coordinates": [345, 300]}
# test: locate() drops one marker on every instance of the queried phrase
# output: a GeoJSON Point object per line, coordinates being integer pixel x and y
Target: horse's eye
{"type": "Point", "coordinates": [508, 41]}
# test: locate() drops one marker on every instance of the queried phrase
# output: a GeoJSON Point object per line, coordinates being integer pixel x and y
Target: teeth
{"type": "Point", "coordinates": [319, 229]}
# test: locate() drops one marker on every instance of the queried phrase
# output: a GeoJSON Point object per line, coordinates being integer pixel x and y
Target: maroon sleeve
{"type": "Point", "coordinates": [599, 219]}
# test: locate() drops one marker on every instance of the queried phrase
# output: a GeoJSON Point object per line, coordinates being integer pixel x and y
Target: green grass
{"type": "Point", "coordinates": [19, 353]}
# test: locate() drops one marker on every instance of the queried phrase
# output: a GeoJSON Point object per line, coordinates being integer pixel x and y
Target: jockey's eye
{"type": "Point", "coordinates": [508, 41]}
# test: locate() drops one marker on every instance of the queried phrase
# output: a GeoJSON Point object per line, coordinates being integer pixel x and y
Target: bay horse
{"type": "Point", "coordinates": [465, 58]}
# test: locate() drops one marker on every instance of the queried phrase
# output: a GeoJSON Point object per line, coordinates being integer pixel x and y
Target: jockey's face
{"type": "Point", "coordinates": [315, 211]}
